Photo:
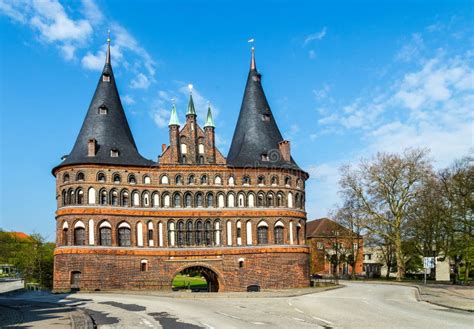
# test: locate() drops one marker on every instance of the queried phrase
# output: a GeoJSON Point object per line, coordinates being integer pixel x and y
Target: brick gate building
{"type": "Point", "coordinates": [125, 222]}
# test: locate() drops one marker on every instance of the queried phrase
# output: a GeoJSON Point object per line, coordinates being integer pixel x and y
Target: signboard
{"type": "Point", "coordinates": [428, 262]}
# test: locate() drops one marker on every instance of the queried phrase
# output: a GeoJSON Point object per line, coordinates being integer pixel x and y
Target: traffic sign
{"type": "Point", "coordinates": [428, 262]}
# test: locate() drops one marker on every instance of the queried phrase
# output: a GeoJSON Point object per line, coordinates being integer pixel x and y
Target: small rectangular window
{"type": "Point", "coordinates": [265, 157]}
{"type": "Point", "coordinates": [106, 78]}
{"type": "Point", "coordinates": [239, 232]}
{"type": "Point", "coordinates": [114, 153]}
{"type": "Point", "coordinates": [320, 245]}
{"type": "Point", "coordinates": [266, 117]}
{"type": "Point", "coordinates": [102, 110]}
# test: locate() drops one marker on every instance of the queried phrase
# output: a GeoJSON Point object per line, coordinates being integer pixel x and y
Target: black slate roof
{"type": "Point", "coordinates": [257, 132]}
{"type": "Point", "coordinates": [111, 130]}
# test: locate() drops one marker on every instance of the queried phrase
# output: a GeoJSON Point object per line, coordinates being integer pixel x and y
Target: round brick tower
{"type": "Point", "coordinates": [124, 222]}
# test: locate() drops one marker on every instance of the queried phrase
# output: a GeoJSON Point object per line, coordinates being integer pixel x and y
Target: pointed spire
{"type": "Point", "coordinates": [191, 109]}
{"type": "Point", "coordinates": [174, 121]}
{"type": "Point", "coordinates": [107, 57]}
{"type": "Point", "coordinates": [209, 120]}
{"type": "Point", "coordinates": [253, 66]}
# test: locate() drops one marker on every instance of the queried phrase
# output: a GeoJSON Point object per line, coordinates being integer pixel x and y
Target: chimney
{"type": "Point", "coordinates": [91, 147]}
{"type": "Point", "coordinates": [163, 147]}
{"type": "Point", "coordinates": [284, 147]}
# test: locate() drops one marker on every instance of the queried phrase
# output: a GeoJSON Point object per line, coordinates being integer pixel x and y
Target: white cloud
{"type": "Point", "coordinates": [315, 36]}
{"type": "Point", "coordinates": [94, 62]}
{"type": "Point", "coordinates": [412, 49]}
{"type": "Point", "coordinates": [140, 82]}
{"type": "Point", "coordinates": [92, 12]}
{"type": "Point", "coordinates": [200, 103]}
{"type": "Point", "coordinates": [129, 100]}
{"type": "Point", "coordinates": [322, 93]}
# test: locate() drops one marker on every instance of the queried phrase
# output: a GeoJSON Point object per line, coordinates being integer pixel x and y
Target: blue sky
{"type": "Point", "coordinates": [344, 80]}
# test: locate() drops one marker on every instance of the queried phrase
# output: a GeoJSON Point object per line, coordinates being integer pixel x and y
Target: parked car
{"type": "Point", "coordinates": [253, 288]}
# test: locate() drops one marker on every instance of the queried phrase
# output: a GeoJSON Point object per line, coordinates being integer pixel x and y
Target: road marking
{"type": "Point", "coordinates": [322, 320]}
{"type": "Point", "coordinates": [258, 323]}
{"type": "Point", "coordinates": [298, 310]}
{"type": "Point", "coordinates": [208, 326]}
{"type": "Point", "coordinates": [229, 315]}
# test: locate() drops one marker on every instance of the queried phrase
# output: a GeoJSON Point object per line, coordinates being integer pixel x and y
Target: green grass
{"type": "Point", "coordinates": [183, 281]}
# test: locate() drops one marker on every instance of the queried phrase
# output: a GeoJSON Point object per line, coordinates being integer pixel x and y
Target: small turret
{"type": "Point", "coordinates": [174, 136]}
{"type": "Point", "coordinates": [209, 137]}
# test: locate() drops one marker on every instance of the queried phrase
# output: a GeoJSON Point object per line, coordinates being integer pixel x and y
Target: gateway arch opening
{"type": "Point", "coordinates": [196, 279]}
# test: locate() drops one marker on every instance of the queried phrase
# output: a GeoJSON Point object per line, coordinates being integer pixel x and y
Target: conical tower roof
{"type": "Point", "coordinates": [106, 123]}
{"type": "Point", "coordinates": [256, 137]}
{"type": "Point", "coordinates": [209, 120]}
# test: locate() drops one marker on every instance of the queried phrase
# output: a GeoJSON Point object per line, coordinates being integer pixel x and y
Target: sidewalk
{"type": "Point", "coordinates": [455, 297]}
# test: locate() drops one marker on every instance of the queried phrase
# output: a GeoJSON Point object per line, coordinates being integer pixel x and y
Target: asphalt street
{"type": "Point", "coordinates": [357, 305]}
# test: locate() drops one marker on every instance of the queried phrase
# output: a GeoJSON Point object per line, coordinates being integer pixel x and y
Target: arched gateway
{"type": "Point", "coordinates": [126, 222]}
{"type": "Point", "coordinates": [211, 276]}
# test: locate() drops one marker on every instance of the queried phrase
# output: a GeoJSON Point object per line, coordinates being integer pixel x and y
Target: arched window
{"type": "Point", "coordinates": [165, 202]}
{"type": "Point", "coordinates": [246, 180]}
{"type": "Point", "coordinates": [230, 200]}
{"type": "Point", "coordinates": [203, 179]}
{"type": "Point", "coordinates": [189, 233]}
{"type": "Point", "coordinates": [251, 200]}
{"type": "Point", "coordinates": [132, 179]}
{"type": "Point", "coordinates": [287, 180]}
{"type": "Point", "coordinates": [218, 180]}
{"type": "Point", "coordinates": [261, 180]}
{"type": "Point", "coordinates": [105, 234]}
{"type": "Point", "coordinates": [64, 197]}
{"type": "Point", "coordinates": [180, 235]}
{"type": "Point", "coordinates": [199, 199]}
{"type": "Point", "coordinates": [143, 265]}
{"type": "Point", "coordinates": [201, 159]}
{"type": "Point", "coordinates": [103, 197]}
{"type": "Point", "coordinates": [260, 200]}
{"type": "Point", "coordinates": [70, 196]}
{"type": "Point", "coordinates": [239, 233]}
{"type": "Point", "coordinates": [183, 159]}
{"type": "Point", "coordinates": [101, 177]}
{"type": "Point", "coordinates": [208, 233]}
{"type": "Point", "coordinates": [177, 200]}
{"type": "Point", "coordinates": [178, 180]}
{"type": "Point", "coordinates": [278, 233]}
{"type": "Point", "coordinates": [114, 198]}
{"type": "Point", "coordinates": [135, 199]}
{"type": "Point", "coordinates": [217, 232]}
{"type": "Point", "coordinates": [66, 178]}
{"type": "Point", "coordinates": [262, 233]}
{"type": "Point", "coordinates": [79, 234]}
{"type": "Point", "coordinates": [191, 179]}
{"type": "Point", "coordinates": [279, 200]}
{"type": "Point", "coordinates": [80, 177]}
{"type": "Point", "coordinates": [231, 181]}
{"type": "Point", "coordinates": [290, 200]}
{"type": "Point", "coordinates": [298, 232]}
{"type": "Point", "coordinates": [91, 196]}
{"type": "Point", "coordinates": [164, 179]}
{"type": "Point", "coordinates": [124, 235]}
{"type": "Point", "coordinates": [297, 200]}
{"type": "Point", "coordinates": [151, 241]}
{"type": "Point", "coordinates": [198, 240]}
{"type": "Point", "coordinates": [171, 234]}
{"type": "Point", "coordinates": [155, 199]}
{"type": "Point", "coordinates": [210, 200]}
{"type": "Point", "coordinates": [299, 183]}
{"type": "Point", "coordinates": [80, 196]}
{"type": "Point", "coordinates": [241, 200]}
{"type": "Point", "coordinates": [146, 199]}
{"type": "Point", "coordinates": [274, 180]}
{"type": "Point", "coordinates": [146, 179]}
{"type": "Point", "coordinates": [65, 239]}
{"type": "Point", "coordinates": [220, 201]}
{"type": "Point", "coordinates": [125, 199]}
{"type": "Point", "coordinates": [116, 179]}
{"type": "Point", "coordinates": [188, 200]}
{"type": "Point", "coordinates": [270, 200]}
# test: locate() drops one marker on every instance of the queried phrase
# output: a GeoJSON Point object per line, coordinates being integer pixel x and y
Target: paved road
{"type": "Point", "coordinates": [358, 305]}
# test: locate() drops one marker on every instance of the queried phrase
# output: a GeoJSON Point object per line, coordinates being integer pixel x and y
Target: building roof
{"type": "Point", "coordinates": [111, 131]}
{"type": "Point", "coordinates": [209, 120]}
{"type": "Point", "coordinates": [19, 235]}
{"type": "Point", "coordinates": [174, 121]}
{"type": "Point", "coordinates": [325, 227]}
{"type": "Point", "coordinates": [256, 133]}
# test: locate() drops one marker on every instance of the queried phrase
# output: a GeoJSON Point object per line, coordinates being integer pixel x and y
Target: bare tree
{"type": "Point", "coordinates": [385, 189]}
